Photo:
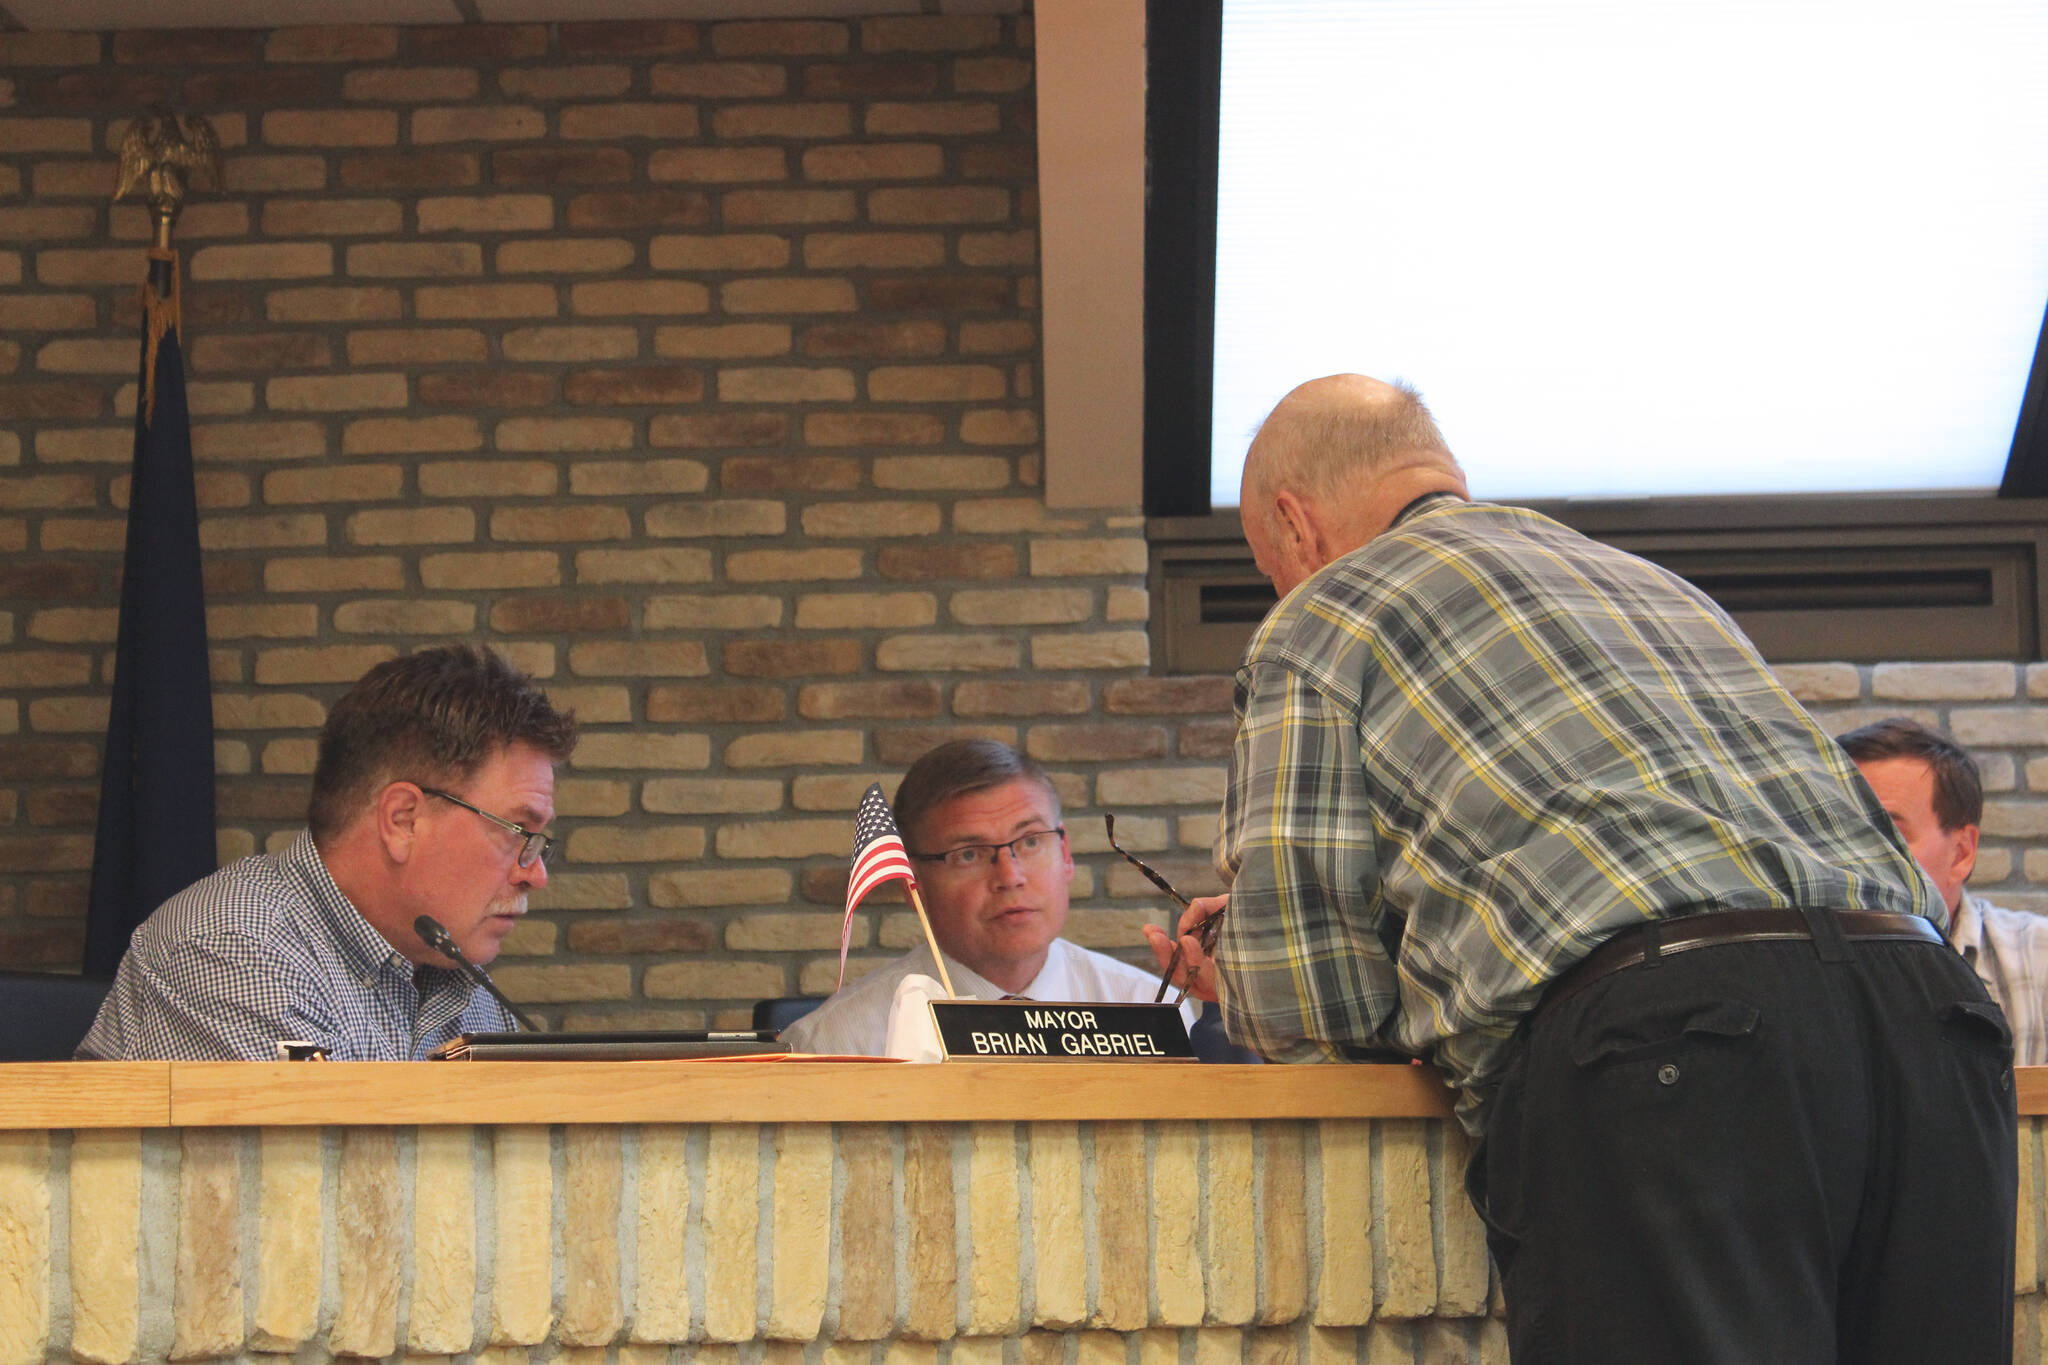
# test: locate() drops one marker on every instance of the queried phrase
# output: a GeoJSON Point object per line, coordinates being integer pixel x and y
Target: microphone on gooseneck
{"type": "Point", "coordinates": [441, 941]}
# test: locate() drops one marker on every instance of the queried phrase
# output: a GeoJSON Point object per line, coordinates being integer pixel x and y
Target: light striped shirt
{"type": "Point", "coordinates": [2008, 949]}
{"type": "Point", "coordinates": [268, 949]}
{"type": "Point", "coordinates": [1474, 749]}
{"type": "Point", "coordinates": [855, 1022]}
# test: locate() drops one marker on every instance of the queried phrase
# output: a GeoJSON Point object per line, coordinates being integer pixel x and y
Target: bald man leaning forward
{"type": "Point", "coordinates": [1532, 808]}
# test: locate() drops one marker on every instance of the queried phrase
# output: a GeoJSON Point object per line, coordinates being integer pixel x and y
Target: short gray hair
{"type": "Point", "coordinates": [1321, 450]}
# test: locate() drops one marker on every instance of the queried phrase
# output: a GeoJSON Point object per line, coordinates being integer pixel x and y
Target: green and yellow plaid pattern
{"type": "Point", "coordinates": [1473, 750]}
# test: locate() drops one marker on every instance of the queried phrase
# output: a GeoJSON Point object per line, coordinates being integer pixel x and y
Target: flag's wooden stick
{"type": "Point", "coordinates": [917, 903]}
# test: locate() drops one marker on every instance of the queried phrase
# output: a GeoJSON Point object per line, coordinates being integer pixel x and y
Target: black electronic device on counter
{"type": "Point", "coordinates": [620, 1046]}
{"type": "Point", "coordinates": [531, 1045]}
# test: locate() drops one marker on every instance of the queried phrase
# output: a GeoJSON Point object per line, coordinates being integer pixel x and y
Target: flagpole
{"type": "Point", "coordinates": [154, 833]}
{"type": "Point", "coordinates": [917, 904]}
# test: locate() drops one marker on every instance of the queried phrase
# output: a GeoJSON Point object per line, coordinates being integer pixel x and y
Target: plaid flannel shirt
{"type": "Point", "coordinates": [1476, 748]}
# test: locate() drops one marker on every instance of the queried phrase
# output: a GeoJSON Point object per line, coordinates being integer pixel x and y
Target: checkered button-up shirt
{"type": "Point", "coordinates": [1473, 750]}
{"type": "Point", "coordinates": [2008, 949]}
{"type": "Point", "coordinates": [268, 949]}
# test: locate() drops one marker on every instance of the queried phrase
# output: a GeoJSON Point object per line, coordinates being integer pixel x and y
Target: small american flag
{"type": "Point", "coordinates": [878, 856]}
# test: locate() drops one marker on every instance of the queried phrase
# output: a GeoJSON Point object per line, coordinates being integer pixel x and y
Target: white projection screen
{"type": "Point", "coordinates": [1639, 248]}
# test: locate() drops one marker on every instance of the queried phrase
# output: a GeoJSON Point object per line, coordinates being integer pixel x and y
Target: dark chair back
{"type": "Point", "coordinates": [1210, 1042]}
{"type": "Point", "coordinates": [781, 1012]}
{"type": "Point", "coordinates": [44, 1016]}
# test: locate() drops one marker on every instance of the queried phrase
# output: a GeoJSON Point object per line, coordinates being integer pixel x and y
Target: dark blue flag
{"type": "Point", "coordinates": [156, 782]}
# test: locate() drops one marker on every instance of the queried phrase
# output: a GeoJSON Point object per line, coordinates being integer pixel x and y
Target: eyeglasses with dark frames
{"type": "Point", "coordinates": [534, 847]}
{"type": "Point", "coordinates": [1205, 932]}
{"type": "Point", "coordinates": [1030, 848]}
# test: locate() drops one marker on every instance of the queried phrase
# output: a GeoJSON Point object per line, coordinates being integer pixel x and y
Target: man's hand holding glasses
{"type": "Point", "coordinates": [1188, 963]}
{"type": "Point", "coordinates": [1195, 972]}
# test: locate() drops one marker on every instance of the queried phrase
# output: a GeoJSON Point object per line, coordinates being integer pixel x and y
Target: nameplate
{"type": "Point", "coordinates": [1028, 1030]}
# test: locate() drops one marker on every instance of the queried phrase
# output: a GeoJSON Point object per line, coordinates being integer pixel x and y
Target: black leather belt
{"type": "Point", "coordinates": [1632, 946]}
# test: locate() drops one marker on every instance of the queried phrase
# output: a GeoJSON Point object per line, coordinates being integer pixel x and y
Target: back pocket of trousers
{"type": "Point", "coordinates": [1614, 1039]}
{"type": "Point", "coordinates": [1979, 1026]}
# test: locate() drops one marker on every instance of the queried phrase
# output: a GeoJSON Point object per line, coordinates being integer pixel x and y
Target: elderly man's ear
{"type": "Point", "coordinates": [1306, 530]}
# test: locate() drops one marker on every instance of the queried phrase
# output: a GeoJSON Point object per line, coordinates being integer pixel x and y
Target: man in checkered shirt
{"type": "Point", "coordinates": [435, 778]}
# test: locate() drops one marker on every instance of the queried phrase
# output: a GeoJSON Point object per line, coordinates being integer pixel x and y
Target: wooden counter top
{"type": "Point", "coordinates": [208, 1094]}
{"type": "Point", "coordinates": [85, 1094]}
{"type": "Point", "coordinates": [214, 1094]}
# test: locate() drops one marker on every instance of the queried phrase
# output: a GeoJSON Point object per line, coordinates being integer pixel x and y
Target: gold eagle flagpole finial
{"type": "Point", "coordinates": [162, 155]}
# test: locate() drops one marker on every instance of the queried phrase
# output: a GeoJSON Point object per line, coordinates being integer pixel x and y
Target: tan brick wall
{"type": "Point", "coordinates": [1245, 1243]}
{"type": "Point", "coordinates": [693, 365]}
{"type": "Point", "coordinates": [1226, 1242]}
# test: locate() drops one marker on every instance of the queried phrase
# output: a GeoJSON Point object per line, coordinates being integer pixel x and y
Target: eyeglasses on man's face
{"type": "Point", "coordinates": [1035, 849]}
{"type": "Point", "coordinates": [534, 847]}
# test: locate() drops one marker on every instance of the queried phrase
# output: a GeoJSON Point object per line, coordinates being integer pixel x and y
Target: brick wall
{"type": "Point", "coordinates": [692, 365]}
{"type": "Point", "coordinates": [993, 1243]}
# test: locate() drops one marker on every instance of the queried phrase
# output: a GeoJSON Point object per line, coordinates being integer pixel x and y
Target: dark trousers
{"type": "Point", "coordinates": [1745, 1153]}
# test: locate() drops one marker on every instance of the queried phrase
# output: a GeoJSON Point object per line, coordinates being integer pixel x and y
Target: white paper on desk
{"type": "Point", "coordinates": [912, 1036]}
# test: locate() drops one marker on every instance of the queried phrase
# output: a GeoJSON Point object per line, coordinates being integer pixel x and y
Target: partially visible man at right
{"type": "Point", "coordinates": [1930, 787]}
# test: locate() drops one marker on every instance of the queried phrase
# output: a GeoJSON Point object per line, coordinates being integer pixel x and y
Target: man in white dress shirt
{"type": "Point", "coordinates": [982, 823]}
{"type": "Point", "coordinates": [1930, 786]}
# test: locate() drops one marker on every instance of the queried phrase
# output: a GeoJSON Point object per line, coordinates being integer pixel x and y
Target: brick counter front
{"type": "Point", "coordinates": [737, 1214]}
{"type": "Point", "coordinates": [989, 1215]}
